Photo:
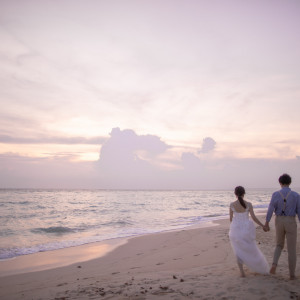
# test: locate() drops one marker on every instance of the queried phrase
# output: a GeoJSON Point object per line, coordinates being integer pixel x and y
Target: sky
{"type": "Point", "coordinates": [136, 94]}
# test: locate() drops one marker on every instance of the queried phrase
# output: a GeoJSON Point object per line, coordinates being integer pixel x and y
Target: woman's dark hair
{"type": "Point", "coordinates": [239, 191]}
{"type": "Point", "coordinates": [285, 179]}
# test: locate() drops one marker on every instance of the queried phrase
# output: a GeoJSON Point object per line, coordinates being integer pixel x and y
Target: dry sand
{"type": "Point", "coordinates": [186, 264]}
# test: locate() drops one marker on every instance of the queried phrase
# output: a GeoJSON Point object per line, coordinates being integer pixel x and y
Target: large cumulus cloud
{"type": "Point", "coordinates": [120, 158]}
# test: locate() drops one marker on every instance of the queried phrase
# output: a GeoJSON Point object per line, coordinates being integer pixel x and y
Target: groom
{"type": "Point", "coordinates": [286, 205]}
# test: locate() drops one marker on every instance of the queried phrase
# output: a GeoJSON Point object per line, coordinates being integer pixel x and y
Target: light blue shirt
{"type": "Point", "coordinates": [276, 205]}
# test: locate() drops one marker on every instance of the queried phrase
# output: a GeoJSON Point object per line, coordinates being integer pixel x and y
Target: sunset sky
{"type": "Point", "coordinates": [149, 94]}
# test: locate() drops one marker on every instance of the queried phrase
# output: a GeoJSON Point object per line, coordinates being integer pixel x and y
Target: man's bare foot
{"type": "Point", "coordinates": [273, 269]}
{"type": "Point", "coordinates": [292, 277]}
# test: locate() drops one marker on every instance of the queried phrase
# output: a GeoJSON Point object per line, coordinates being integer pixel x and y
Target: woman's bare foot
{"type": "Point", "coordinates": [241, 269]}
{"type": "Point", "coordinates": [273, 269]}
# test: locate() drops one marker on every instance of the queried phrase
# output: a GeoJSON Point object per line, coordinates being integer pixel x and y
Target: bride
{"type": "Point", "coordinates": [242, 235]}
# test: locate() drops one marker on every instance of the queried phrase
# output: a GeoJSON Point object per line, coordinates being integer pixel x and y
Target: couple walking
{"type": "Point", "coordinates": [286, 205]}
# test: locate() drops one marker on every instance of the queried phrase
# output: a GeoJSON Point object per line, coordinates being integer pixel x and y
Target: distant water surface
{"type": "Point", "coordinates": [40, 220]}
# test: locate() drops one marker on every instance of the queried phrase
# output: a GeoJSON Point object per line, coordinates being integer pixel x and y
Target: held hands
{"type": "Point", "coordinates": [266, 228]}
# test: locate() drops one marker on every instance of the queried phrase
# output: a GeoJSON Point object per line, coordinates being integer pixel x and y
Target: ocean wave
{"type": "Point", "coordinates": [24, 202]}
{"type": "Point", "coordinates": [17, 202]}
{"type": "Point", "coordinates": [213, 215]}
{"type": "Point", "coordinates": [8, 253]}
{"type": "Point", "coordinates": [40, 207]}
{"type": "Point", "coordinates": [117, 223]}
{"type": "Point", "coordinates": [54, 229]}
{"type": "Point", "coordinates": [7, 232]}
{"type": "Point", "coordinates": [29, 216]}
{"type": "Point", "coordinates": [261, 206]}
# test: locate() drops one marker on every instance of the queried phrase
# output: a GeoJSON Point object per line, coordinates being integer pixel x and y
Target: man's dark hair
{"type": "Point", "coordinates": [285, 179]}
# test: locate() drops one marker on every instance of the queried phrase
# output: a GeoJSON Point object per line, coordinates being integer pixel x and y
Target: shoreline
{"type": "Point", "coordinates": [189, 263]}
{"type": "Point", "coordinates": [41, 261]}
{"type": "Point", "coordinates": [50, 259]}
{"type": "Point", "coordinates": [45, 260]}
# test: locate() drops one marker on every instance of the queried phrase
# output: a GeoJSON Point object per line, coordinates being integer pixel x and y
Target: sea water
{"type": "Point", "coordinates": [41, 220]}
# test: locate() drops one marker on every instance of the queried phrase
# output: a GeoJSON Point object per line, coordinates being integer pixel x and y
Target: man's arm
{"type": "Point", "coordinates": [271, 209]}
{"type": "Point", "coordinates": [298, 207]}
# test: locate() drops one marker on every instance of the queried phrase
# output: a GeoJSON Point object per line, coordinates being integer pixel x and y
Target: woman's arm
{"type": "Point", "coordinates": [230, 214]}
{"type": "Point", "coordinates": [253, 216]}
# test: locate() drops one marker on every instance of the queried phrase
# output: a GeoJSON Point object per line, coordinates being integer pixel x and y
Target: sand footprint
{"type": "Point", "coordinates": [62, 284]}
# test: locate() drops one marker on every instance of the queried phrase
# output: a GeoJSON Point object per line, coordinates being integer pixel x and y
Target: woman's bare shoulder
{"type": "Point", "coordinates": [234, 204]}
{"type": "Point", "coordinates": [249, 204]}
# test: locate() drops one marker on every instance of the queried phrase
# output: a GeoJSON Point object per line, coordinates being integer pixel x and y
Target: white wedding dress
{"type": "Point", "coordinates": [242, 235]}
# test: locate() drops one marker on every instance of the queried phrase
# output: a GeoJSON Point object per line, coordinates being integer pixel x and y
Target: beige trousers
{"type": "Point", "coordinates": [286, 227]}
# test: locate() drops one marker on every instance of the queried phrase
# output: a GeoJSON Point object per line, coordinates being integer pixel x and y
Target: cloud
{"type": "Point", "coordinates": [7, 139]}
{"type": "Point", "coordinates": [18, 171]}
{"type": "Point", "coordinates": [190, 161]}
{"type": "Point", "coordinates": [208, 145]}
{"type": "Point", "coordinates": [121, 166]}
{"type": "Point", "coordinates": [120, 153]}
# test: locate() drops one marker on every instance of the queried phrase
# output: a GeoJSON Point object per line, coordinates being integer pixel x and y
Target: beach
{"type": "Point", "coordinates": [193, 263]}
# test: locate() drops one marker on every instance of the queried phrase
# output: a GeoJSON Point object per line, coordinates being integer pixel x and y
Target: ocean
{"type": "Point", "coordinates": [34, 220]}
